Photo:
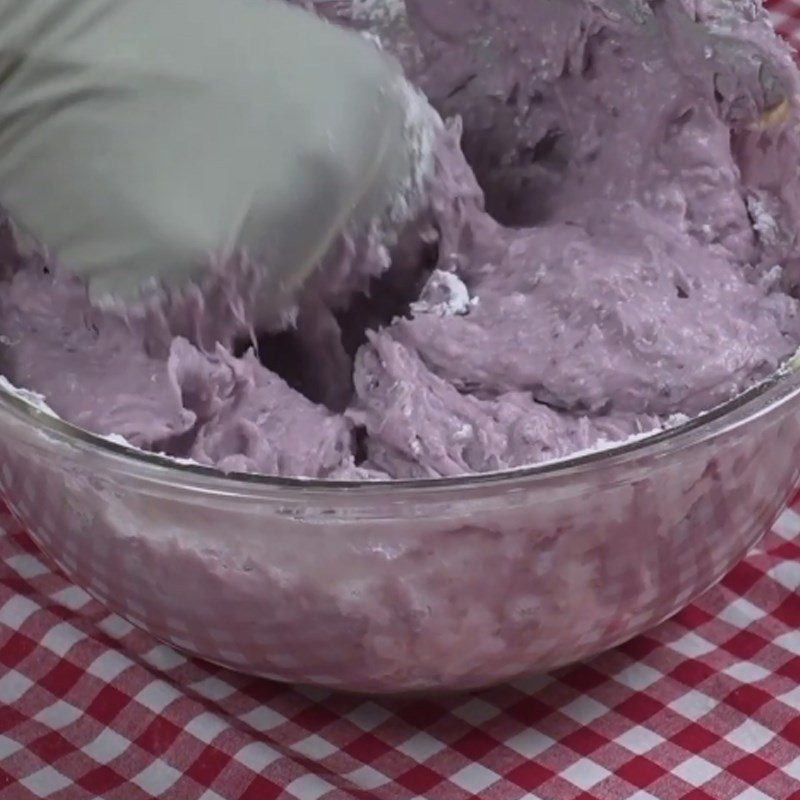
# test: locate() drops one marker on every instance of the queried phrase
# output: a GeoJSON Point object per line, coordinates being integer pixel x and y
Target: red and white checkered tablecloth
{"type": "Point", "coordinates": [786, 17]}
{"type": "Point", "coordinates": [706, 706]}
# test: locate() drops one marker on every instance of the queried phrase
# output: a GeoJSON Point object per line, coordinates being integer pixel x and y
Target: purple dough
{"type": "Point", "coordinates": [635, 257]}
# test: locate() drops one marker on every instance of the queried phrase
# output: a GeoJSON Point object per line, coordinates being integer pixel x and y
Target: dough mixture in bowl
{"type": "Point", "coordinates": [608, 239]}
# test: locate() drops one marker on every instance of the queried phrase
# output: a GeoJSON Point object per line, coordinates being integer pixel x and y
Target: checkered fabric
{"type": "Point", "coordinates": [786, 18]}
{"type": "Point", "coordinates": [705, 707]}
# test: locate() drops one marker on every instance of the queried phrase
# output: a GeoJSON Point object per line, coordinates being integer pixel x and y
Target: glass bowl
{"type": "Point", "coordinates": [412, 585]}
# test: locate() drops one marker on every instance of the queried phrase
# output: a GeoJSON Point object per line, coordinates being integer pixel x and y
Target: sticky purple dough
{"type": "Point", "coordinates": [609, 239]}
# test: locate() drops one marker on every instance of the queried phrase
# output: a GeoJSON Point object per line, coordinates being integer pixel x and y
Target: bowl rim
{"type": "Point", "coordinates": [760, 399]}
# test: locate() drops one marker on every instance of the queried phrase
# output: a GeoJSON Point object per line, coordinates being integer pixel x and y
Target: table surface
{"type": "Point", "coordinates": [705, 706]}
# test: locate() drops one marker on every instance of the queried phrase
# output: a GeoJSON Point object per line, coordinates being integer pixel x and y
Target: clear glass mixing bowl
{"type": "Point", "coordinates": [444, 584]}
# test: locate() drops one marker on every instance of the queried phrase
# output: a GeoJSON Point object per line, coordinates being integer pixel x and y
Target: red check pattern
{"type": "Point", "coordinates": [786, 18]}
{"type": "Point", "coordinates": [706, 707]}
